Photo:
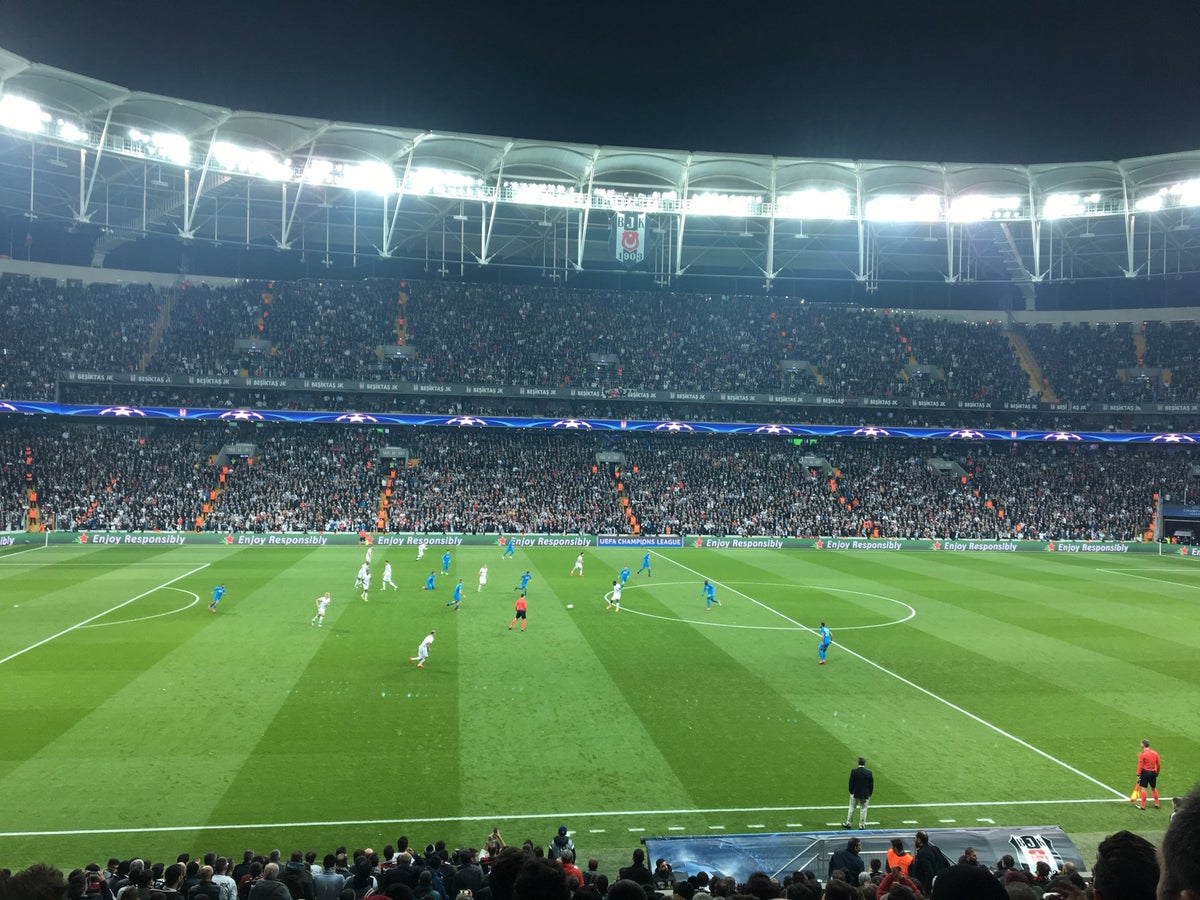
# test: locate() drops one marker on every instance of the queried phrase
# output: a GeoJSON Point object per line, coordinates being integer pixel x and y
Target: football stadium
{"type": "Point", "coordinates": [428, 513]}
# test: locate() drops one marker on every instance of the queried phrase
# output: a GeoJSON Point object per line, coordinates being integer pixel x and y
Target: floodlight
{"type": "Point", "coordinates": [897, 208]}
{"type": "Point", "coordinates": [250, 162]}
{"type": "Point", "coordinates": [319, 171]}
{"type": "Point", "coordinates": [438, 182]}
{"type": "Point", "coordinates": [173, 147]}
{"type": "Point", "coordinates": [813, 203]}
{"type": "Point", "coordinates": [983, 208]}
{"type": "Point", "coordinates": [1151, 203]}
{"type": "Point", "coordinates": [1059, 206]}
{"type": "Point", "coordinates": [69, 131]}
{"type": "Point", "coordinates": [538, 194]}
{"type": "Point", "coordinates": [1188, 192]}
{"type": "Point", "coordinates": [709, 204]}
{"type": "Point", "coordinates": [634, 201]}
{"type": "Point", "coordinates": [22, 115]}
{"type": "Point", "coordinates": [372, 176]}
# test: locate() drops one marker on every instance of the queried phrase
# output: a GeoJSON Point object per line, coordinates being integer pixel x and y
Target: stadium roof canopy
{"type": "Point", "coordinates": [126, 166]}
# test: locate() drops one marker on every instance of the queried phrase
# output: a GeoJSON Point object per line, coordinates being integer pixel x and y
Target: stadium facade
{"type": "Point", "coordinates": [100, 175]}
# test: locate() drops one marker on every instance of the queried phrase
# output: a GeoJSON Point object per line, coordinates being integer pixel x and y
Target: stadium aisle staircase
{"type": "Point", "coordinates": [211, 504]}
{"type": "Point", "coordinates": [160, 327]}
{"type": "Point", "coordinates": [623, 499]}
{"type": "Point", "coordinates": [1037, 381]}
{"type": "Point", "coordinates": [385, 501]}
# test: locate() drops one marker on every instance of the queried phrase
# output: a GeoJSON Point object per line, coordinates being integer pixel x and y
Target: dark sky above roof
{"type": "Point", "coordinates": [1015, 82]}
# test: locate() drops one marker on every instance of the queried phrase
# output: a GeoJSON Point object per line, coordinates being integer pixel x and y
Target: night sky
{"type": "Point", "coordinates": [1016, 82]}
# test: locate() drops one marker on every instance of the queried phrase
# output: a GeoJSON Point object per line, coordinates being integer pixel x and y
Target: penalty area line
{"type": "Point", "coordinates": [98, 615]}
{"type": "Point", "coordinates": [596, 814]}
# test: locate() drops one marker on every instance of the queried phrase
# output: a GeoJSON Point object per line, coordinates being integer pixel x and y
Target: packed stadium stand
{"type": "Point", "coordinates": [535, 337]}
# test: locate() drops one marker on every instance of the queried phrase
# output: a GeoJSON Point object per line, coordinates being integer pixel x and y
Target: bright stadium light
{"type": "Point", "coordinates": [1151, 202]}
{"type": "Point", "coordinates": [22, 115]}
{"type": "Point", "coordinates": [1188, 192]}
{"type": "Point", "coordinates": [538, 194]}
{"type": "Point", "coordinates": [162, 145]}
{"type": "Point", "coordinates": [896, 208]}
{"type": "Point", "coordinates": [813, 203]}
{"type": "Point", "coordinates": [69, 131]}
{"type": "Point", "coordinates": [371, 176]}
{"type": "Point", "coordinates": [441, 183]}
{"type": "Point", "coordinates": [233, 158]}
{"type": "Point", "coordinates": [319, 171]}
{"type": "Point", "coordinates": [635, 201]}
{"type": "Point", "coordinates": [983, 208]}
{"type": "Point", "coordinates": [1059, 206]}
{"type": "Point", "coordinates": [173, 147]}
{"type": "Point", "coordinates": [709, 204]}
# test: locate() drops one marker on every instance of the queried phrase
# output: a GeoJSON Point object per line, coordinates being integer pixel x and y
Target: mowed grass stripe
{"type": "Point", "coordinates": [545, 710]}
{"type": "Point", "coordinates": [319, 732]}
{"type": "Point", "coordinates": [164, 684]}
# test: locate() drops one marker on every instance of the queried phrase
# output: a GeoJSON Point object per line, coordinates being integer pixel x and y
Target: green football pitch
{"type": "Point", "coordinates": [982, 689]}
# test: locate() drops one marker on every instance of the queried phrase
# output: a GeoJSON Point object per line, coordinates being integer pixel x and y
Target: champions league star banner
{"type": "Point", "coordinates": [629, 238]}
{"type": "Point", "coordinates": [381, 420]}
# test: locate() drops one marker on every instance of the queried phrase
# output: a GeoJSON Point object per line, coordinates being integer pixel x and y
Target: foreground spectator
{"type": "Point", "coordinates": [1126, 868]}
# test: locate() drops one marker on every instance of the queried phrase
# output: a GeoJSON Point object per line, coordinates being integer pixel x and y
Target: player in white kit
{"type": "Point", "coordinates": [322, 604]}
{"type": "Point", "coordinates": [423, 651]}
{"type": "Point", "coordinates": [363, 580]}
{"type": "Point", "coordinates": [387, 576]}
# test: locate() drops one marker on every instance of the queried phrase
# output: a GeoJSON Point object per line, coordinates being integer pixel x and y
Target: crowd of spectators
{"type": "Point", "coordinates": [901, 489]}
{"type": "Point", "coordinates": [555, 336]}
{"type": "Point", "coordinates": [131, 476]}
{"type": "Point", "coordinates": [1127, 865]}
{"type": "Point", "coordinates": [47, 329]}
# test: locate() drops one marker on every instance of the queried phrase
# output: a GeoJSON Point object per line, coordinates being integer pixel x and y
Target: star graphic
{"type": "Point", "coordinates": [82, 539]}
{"type": "Point", "coordinates": [699, 542]}
{"type": "Point", "coordinates": [937, 545]}
{"type": "Point", "coordinates": [229, 539]}
{"type": "Point", "coordinates": [820, 543]}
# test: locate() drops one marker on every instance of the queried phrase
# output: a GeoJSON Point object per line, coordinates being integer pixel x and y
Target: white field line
{"type": "Point", "coordinates": [436, 820]}
{"type": "Point", "coordinates": [917, 687]}
{"type": "Point", "coordinates": [1128, 574]}
{"type": "Point", "coordinates": [170, 612]}
{"type": "Point", "coordinates": [912, 613]}
{"type": "Point", "coordinates": [4, 556]}
{"type": "Point", "coordinates": [92, 565]}
{"type": "Point", "coordinates": [12, 656]}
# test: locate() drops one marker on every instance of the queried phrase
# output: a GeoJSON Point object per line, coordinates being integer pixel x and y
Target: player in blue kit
{"type": "Point", "coordinates": [456, 602]}
{"type": "Point", "coordinates": [624, 575]}
{"type": "Point", "coordinates": [218, 592]}
{"type": "Point", "coordinates": [710, 595]}
{"type": "Point", "coordinates": [510, 547]}
{"type": "Point", "coordinates": [446, 563]}
{"type": "Point", "coordinates": [826, 640]}
{"type": "Point", "coordinates": [429, 582]}
{"type": "Point", "coordinates": [645, 565]}
{"type": "Point", "coordinates": [524, 582]}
